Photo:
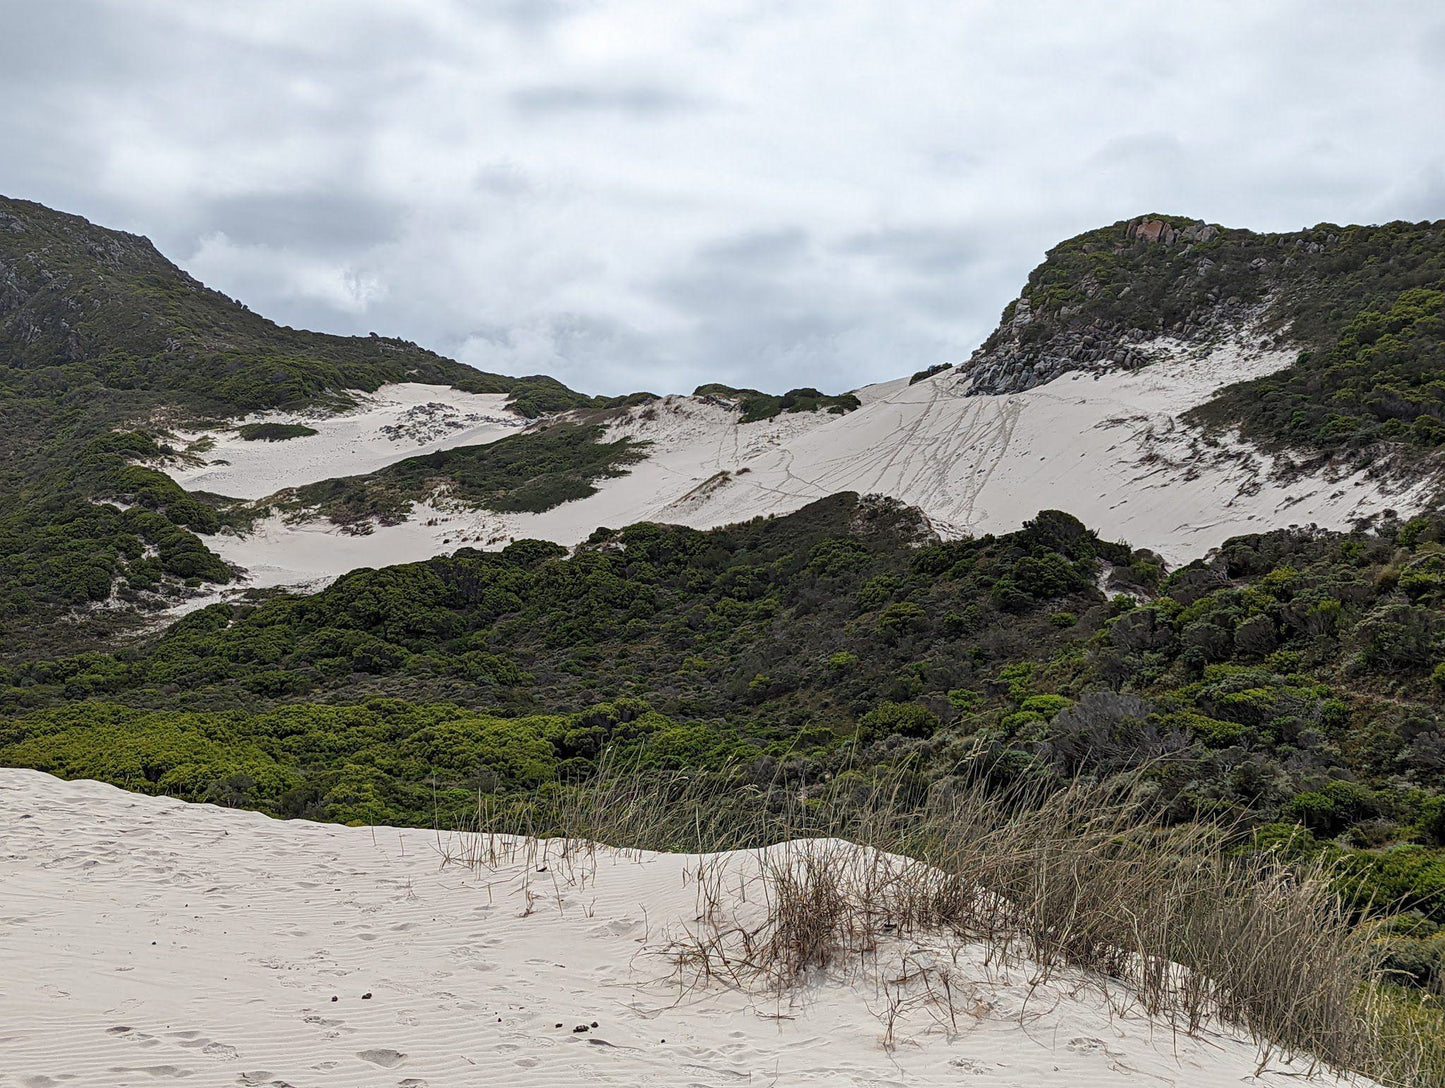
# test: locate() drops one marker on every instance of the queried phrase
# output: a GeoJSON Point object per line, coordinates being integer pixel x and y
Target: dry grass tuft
{"type": "Point", "coordinates": [1086, 880]}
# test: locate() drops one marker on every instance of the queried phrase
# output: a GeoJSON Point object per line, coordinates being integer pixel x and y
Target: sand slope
{"type": "Point", "coordinates": [1111, 450]}
{"type": "Point", "coordinates": [150, 942]}
{"type": "Point", "coordinates": [402, 420]}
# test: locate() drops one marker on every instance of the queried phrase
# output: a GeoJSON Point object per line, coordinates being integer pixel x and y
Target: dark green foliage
{"type": "Point", "coordinates": [97, 525]}
{"type": "Point", "coordinates": [928, 372]}
{"type": "Point", "coordinates": [386, 761]}
{"type": "Point", "coordinates": [274, 432]}
{"type": "Point", "coordinates": [1323, 277]}
{"type": "Point", "coordinates": [771, 625]}
{"type": "Point", "coordinates": [757, 406]}
{"type": "Point", "coordinates": [1293, 680]}
{"type": "Point", "coordinates": [898, 720]}
{"type": "Point", "coordinates": [538, 395]}
{"type": "Point", "coordinates": [1416, 953]}
{"type": "Point", "coordinates": [1289, 679]}
{"type": "Point", "coordinates": [1383, 379]}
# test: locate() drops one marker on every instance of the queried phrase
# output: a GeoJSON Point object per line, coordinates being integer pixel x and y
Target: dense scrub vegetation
{"type": "Point", "coordinates": [757, 406]}
{"type": "Point", "coordinates": [91, 528]}
{"type": "Point", "coordinates": [1365, 302]}
{"type": "Point", "coordinates": [97, 330]}
{"type": "Point", "coordinates": [274, 432]}
{"type": "Point", "coordinates": [99, 333]}
{"type": "Point", "coordinates": [1382, 380]}
{"type": "Point", "coordinates": [1292, 682]}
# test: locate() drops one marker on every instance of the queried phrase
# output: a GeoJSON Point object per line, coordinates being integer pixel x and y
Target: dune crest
{"type": "Point", "coordinates": [149, 941]}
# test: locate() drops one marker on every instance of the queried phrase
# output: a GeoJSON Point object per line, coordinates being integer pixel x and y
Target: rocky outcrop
{"type": "Point", "coordinates": [1082, 308]}
{"type": "Point", "coordinates": [1158, 230]}
{"type": "Point", "coordinates": [1015, 365]}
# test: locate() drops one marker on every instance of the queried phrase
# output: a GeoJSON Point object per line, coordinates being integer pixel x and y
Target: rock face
{"type": "Point", "coordinates": [1157, 230]}
{"type": "Point", "coordinates": [1034, 345]}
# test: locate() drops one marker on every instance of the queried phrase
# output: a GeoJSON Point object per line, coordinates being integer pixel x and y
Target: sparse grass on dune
{"type": "Point", "coordinates": [1087, 879]}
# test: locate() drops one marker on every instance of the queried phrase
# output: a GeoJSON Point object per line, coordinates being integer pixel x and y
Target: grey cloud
{"type": "Point", "coordinates": [1421, 196]}
{"type": "Point", "coordinates": [504, 180]}
{"type": "Point", "coordinates": [322, 222]}
{"type": "Point", "coordinates": [494, 337]}
{"type": "Point", "coordinates": [704, 292]}
{"type": "Point", "coordinates": [90, 29]}
{"type": "Point", "coordinates": [638, 101]}
{"type": "Point", "coordinates": [760, 317]}
{"type": "Point", "coordinates": [770, 247]}
{"type": "Point", "coordinates": [586, 351]}
{"type": "Point", "coordinates": [925, 250]}
{"type": "Point", "coordinates": [771, 195]}
{"type": "Point", "coordinates": [534, 14]}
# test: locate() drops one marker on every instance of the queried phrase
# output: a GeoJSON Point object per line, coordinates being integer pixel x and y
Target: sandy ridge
{"type": "Point", "coordinates": [151, 942]}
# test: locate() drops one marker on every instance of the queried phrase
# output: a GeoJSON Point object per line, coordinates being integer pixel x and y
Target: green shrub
{"type": "Point", "coordinates": [274, 432]}
{"type": "Point", "coordinates": [898, 719]}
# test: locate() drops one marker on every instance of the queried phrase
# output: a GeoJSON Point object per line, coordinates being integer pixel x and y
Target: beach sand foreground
{"type": "Point", "coordinates": [145, 941]}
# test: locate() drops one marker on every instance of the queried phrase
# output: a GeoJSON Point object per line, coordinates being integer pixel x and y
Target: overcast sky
{"type": "Point", "coordinates": [648, 195]}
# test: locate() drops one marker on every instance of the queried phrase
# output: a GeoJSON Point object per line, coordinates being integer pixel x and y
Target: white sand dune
{"type": "Point", "coordinates": [145, 941]}
{"type": "Point", "coordinates": [1111, 450]}
{"type": "Point", "coordinates": [397, 421]}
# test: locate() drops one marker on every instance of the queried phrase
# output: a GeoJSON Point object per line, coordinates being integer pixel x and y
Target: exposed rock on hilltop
{"type": "Point", "coordinates": [1032, 346]}
{"type": "Point", "coordinates": [1099, 296]}
{"type": "Point", "coordinates": [1158, 230]}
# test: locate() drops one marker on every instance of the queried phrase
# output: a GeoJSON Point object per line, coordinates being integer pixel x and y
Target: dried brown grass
{"type": "Point", "coordinates": [1080, 882]}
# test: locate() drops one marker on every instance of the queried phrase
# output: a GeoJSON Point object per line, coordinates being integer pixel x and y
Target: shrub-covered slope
{"type": "Point", "coordinates": [100, 334]}
{"type": "Point", "coordinates": [1293, 680]}
{"type": "Point", "coordinates": [99, 331]}
{"type": "Point", "coordinates": [90, 315]}
{"type": "Point", "coordinates": [757, 406]}
{"type": "Point", "coordinates": [1362, 303]}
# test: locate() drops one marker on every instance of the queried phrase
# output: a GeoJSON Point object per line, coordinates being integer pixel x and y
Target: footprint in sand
{"type": "Point", "coordinates": [140, 1038]}
{"type": "Point", "coordinates": [332, 1028]}
{"type": "Point", "coordinates": [969, 1065]}
{"type": "Point", "coordinates": [385, 1058]}
{"type": "Point", "coordinates": [171, 1072]}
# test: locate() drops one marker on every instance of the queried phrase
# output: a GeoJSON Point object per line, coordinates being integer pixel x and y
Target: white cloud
{"type": "Point", "coordinates": [640, 195]}
{"type": "Point", "coordinates": [308, 279]}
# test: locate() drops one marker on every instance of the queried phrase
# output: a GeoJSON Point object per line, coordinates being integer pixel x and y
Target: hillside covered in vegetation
{"type": "Point", "coordinates": [756, 406]}
{"type": "Point", "coordinates": [98, 331]}
{"type": "Point", "coordinates": [1293, 682]}
{"type": "Point", "coordinates": [1363, 304]}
